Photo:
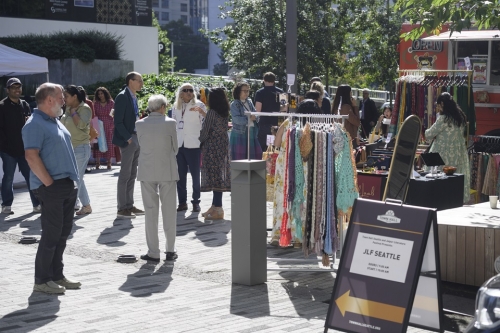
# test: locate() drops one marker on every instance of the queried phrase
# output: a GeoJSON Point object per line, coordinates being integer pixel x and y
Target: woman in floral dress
{"type": "Point", "coordinates": [448, 134]}
{"type": "Point", "coordinates": [216, 158]}
{"type": "Point", "coordinates": [103, 104]}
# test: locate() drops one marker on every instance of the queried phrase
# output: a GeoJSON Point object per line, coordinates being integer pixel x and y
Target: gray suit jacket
{"type": "Point", "coordinates": [157, 136]}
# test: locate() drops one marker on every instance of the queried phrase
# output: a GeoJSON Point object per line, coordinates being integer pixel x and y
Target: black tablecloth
{"type": "Point", "coordinates": [440, 193]}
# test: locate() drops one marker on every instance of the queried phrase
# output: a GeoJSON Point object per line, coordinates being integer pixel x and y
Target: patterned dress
{"type": "Point", "coordinates": [102, 113]}
{"type": "Point", "coordinates": [215, 168]}
{"type": "Point", "coordinates": [450, 144]}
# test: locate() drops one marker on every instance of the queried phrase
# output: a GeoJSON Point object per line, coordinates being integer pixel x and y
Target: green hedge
{"type": "Point", "coordinates": [85, 45]}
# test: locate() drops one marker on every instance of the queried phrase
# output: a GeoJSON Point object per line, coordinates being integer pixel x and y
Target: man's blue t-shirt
{"type": "Point", "coordinates": [52, 139]}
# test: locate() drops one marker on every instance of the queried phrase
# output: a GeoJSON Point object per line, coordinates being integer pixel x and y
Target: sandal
{"type": "Point", "coordinates": [85, 210]}
{"type": "Point", "coordinates": [97, 166]}
{"type": "Point", "coordinates": [109, 166]}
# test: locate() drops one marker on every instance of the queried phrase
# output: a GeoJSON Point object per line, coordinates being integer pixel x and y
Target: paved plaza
{"type": "Point", "coordinates": [192, 294]}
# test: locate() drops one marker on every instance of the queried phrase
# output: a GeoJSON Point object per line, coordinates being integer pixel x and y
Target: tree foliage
{"type": "Point", "coordinates": [350, 40]}
{"type": "Point", "coordinates": [430, 15]}
{"type": "Point", "coordinates": [190, 50]}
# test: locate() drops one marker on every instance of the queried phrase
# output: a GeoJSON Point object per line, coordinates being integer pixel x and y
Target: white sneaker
{"type": "Point", "coordinates": [37, 209]}
{"type": "Point", "coordinates": [7, 210]}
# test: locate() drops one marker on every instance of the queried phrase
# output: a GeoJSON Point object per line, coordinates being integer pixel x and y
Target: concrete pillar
{"type": "Point", "coordinates": [248, 217]}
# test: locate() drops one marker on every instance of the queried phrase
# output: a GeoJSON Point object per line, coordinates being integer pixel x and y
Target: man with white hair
{"type": "Point", "coordinates": [189, 114]}
{"type": "Point", "coordinates": [54, 172]}
{"type": "Point", "coordinates": [158, 175]}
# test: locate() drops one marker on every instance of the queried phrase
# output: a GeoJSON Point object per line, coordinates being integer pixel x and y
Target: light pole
{"type": "Point", "coordinates": [172, 55]}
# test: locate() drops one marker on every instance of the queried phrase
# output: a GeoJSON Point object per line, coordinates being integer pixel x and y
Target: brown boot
{"type": "Point", "coordinates": [208, 211]}
{"type": "Point", "coordinates": [216, 214]}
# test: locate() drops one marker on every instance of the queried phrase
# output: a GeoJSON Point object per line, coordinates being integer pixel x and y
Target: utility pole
{"type": "Point", "coordinates": [291, 40]}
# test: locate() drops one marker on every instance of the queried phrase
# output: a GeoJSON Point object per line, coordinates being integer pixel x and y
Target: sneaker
{"type": "Point", "coordinates": [49, 288]}
{"type": "Point", "coordinates": [68, 284]}
{"type": "Point", "coordinates": [7, 210]}
{"type": "Point", "coordinates": [126, 213]}
{"type": "Point", "coordinates": [136, 210]}
{"type": "Point", "coordinates": [171, 256]}
{"type": "Point", "coordinates": [37, 209]}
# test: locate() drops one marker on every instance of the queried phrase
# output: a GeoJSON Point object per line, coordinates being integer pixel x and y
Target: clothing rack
{"type": "Point", "coordinates": [320, 117]}
{"type": "Point", "coordinates": [485, 144]}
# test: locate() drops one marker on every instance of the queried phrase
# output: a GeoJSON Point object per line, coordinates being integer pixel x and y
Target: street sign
{"type": "Point", "coordinates": [161, 47]}
{"type": "Point", "coordinates": [388, 276]}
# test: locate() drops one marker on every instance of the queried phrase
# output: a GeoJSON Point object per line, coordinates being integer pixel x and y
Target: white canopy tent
{"type": "Point", "coordinates": [14, 62]}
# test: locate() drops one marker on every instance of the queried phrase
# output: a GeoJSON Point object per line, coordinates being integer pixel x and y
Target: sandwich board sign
{"type": "Point", "coordinates": [388, 276]}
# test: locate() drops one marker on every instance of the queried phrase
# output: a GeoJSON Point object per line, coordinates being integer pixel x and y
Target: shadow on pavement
{"type": "Point", "coordinates": [41, 310]}
{"type": "Point", "coordinates": [8, 221]}
{"type": "Point", "coordinates": [111, 236]}
{"type": "Point", "coordinates": [146, 282]}
{"type": "Point", "coordinates": [213, 233]}
{"type": "Point", "coordinates": [249, 301]}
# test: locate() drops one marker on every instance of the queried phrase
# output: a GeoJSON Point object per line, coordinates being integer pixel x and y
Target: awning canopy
{"type": "Point", "coordinates": [14, 62]}
{"type": "Point", "coordinates": [469, 35]}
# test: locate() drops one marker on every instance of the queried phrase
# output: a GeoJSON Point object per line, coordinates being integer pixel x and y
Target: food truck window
{"type": "Point", "coordinates": [495, 63]}
{"type": "Point", "coordinates": [469, 49]}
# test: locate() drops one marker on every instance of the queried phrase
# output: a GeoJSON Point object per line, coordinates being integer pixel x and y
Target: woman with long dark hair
{"type": "Point", "coordinates": [215, 169]}
{"type": "Point", "coordinates": [447, 135]}
{"type": "Point", "coordinates": [348, 106]}
{"type": "Point", "coordinates": [77, 121]}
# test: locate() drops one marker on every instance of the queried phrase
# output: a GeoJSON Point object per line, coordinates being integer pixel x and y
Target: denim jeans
{"type": "Point", "coordinates": [82, 155]}
{"type": "Point", "coordinates": [58, 201]}
{"type": "Point", "coordinates": [9, 169]}
{"type": "Point", "coordinates": [188, 158]}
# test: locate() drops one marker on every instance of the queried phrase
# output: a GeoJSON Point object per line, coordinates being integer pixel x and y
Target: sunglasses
{"type": "Point", "coordinates": [187, 90]}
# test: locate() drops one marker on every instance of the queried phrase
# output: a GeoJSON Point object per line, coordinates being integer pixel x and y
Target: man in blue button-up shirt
{"type": "Point", "coordinates": [48, 150]}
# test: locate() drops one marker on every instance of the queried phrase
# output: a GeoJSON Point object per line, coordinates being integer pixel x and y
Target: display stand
{"type": "Point", "coordinates": [432, 160]}
{"type": "Point", "coordinates": [248, 197]}
{"type": "Point", "coordinates": [389, 273]}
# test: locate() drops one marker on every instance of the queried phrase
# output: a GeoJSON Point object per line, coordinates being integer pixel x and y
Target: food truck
{"type": "Point", "coordinates": [475, 50]}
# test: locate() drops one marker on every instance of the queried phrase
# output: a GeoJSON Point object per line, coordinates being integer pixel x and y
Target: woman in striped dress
{"type": "Point", "coordinates": [103, 104]}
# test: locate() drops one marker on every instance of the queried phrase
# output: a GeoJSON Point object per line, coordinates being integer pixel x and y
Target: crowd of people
{"type": "Point", "coordinates": [52, 147]}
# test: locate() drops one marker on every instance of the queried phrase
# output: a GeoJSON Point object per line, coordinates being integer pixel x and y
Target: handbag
{"type": "Point", "coordinates": [101, 139]}
{"type": "Point", "coordinates": [270, 156]}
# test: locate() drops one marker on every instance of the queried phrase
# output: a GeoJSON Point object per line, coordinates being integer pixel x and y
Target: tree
{"type": "Point", "coordinates": [326, 38]}
{"type": "Point", "coordinates": [431, 15]}
{"type": "Point", "coordinates": [375, 45]}
{"type": "Point", "coordinates": [222, 68]}
{"type": "Point", "coordinates": [166, 62]}
{"type": "Point", "coordinates": [190, 50]}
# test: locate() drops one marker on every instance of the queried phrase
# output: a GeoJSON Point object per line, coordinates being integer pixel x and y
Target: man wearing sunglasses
{"type": "Point", "coordinates": [189, 114]}
{"type": "Point", "coordinates": [125, 137]}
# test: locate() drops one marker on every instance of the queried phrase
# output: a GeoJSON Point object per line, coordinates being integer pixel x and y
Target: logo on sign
{"type": "Point", "coordinates": [423, 45]}
{"type": "Point", "coordinates": [389, 217]}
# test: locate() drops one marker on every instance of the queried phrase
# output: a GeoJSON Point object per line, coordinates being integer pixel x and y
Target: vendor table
{"type": "Point", "coordinates": [441, 193]}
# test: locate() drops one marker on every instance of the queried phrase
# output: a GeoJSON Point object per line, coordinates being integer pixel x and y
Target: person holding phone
{"type": "Point", "coordinates": [189, 113]}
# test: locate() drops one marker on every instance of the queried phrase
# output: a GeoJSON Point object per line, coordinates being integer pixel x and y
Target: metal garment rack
{"type": "Point", "coordinates": [318, 117]}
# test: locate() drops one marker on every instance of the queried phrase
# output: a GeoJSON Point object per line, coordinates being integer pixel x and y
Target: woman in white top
{"type": "Point", "coordinates": [189, 114]}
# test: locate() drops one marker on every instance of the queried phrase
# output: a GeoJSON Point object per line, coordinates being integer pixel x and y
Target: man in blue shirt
{"type": "Point", "coordinates": [48, 150]}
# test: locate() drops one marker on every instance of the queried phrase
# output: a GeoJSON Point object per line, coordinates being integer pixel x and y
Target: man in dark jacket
{"type": "Point", "coordinates": [125, 137]}
{"type": "Point", "coordinates": [13, 114]}
{"type": "Point", "coordinates": [368, 113]}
